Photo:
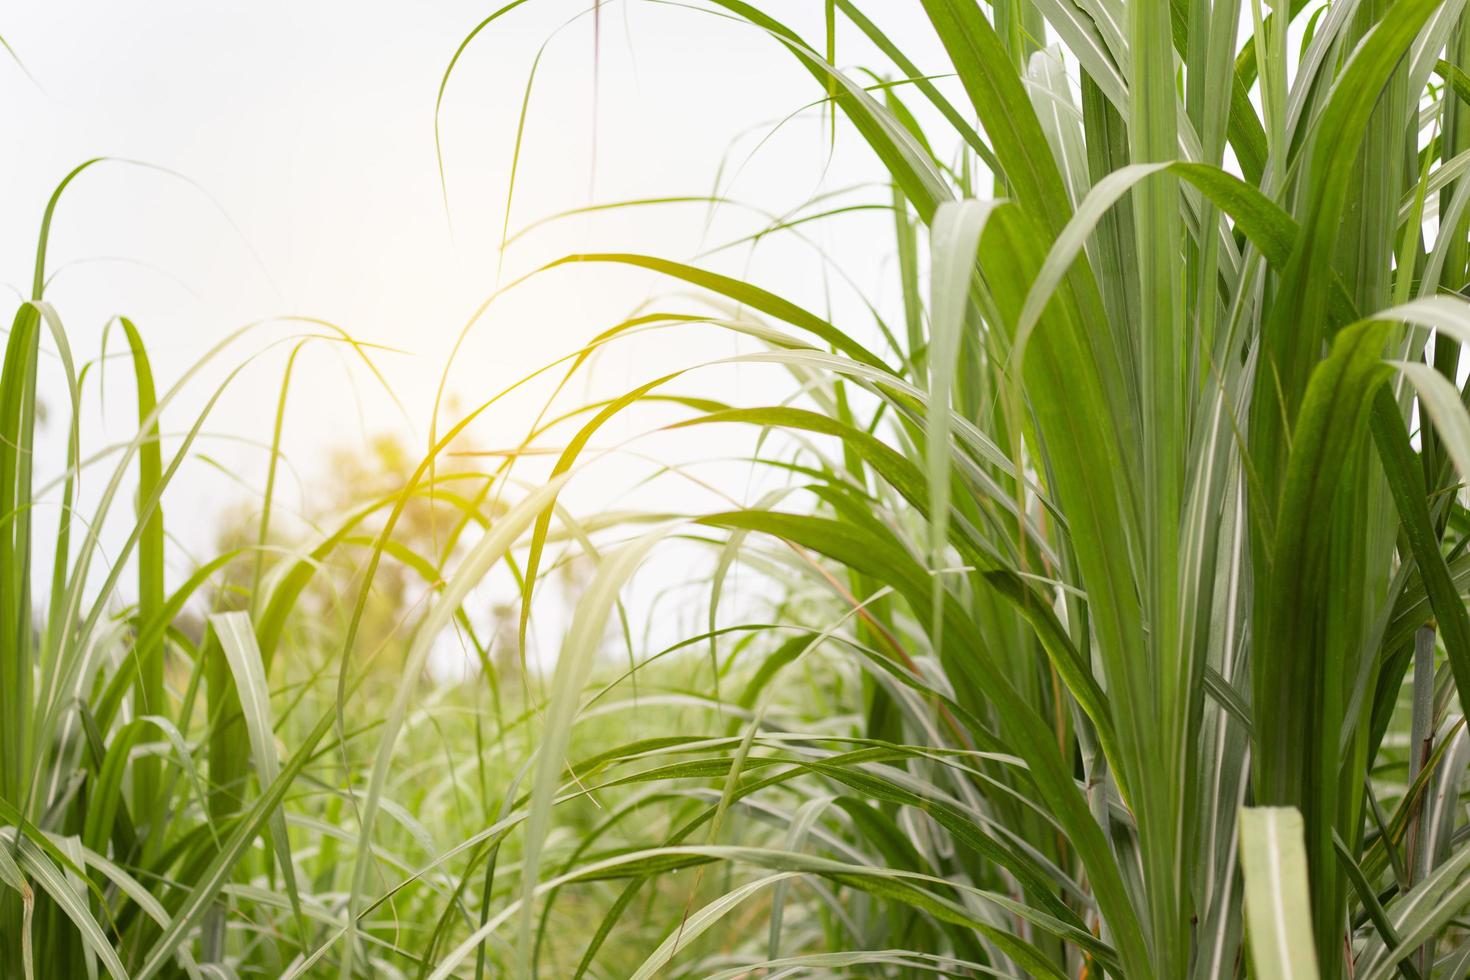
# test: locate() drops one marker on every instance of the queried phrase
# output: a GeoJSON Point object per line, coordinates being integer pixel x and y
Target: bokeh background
{"type": "Point", "coordinates": [289, 169]}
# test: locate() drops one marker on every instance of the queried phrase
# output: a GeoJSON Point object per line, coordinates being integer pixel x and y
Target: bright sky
{"type": "Point", "coordinates": [307, 131]}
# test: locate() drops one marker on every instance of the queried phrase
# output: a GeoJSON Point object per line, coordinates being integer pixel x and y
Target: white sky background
{"type": "Point", "coordinates": [310, 123]}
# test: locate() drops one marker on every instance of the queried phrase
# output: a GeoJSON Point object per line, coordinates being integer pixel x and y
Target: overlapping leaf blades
{"type": "Point", "coordinates": [1192, 605]}
{"type": "Point", "coordinates": [1152, 513]}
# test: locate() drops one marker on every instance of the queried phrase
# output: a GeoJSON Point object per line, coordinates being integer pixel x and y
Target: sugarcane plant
{"type": "Point", "coordinates": [1143, 527]}
{"type": "Point", "coordinates": [1119, 623]}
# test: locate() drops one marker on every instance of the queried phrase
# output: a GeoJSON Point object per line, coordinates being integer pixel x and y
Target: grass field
{"type": "Point", "coordinates": [1110, 615]}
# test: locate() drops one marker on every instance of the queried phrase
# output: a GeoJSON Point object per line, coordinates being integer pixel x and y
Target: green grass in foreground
{"type": "Point", "coordinates": [1121, 628]}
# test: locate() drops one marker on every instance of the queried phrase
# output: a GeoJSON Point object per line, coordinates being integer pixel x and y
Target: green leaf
{"type": "Point", "coordinates": [1277, 904]}
{"type": "Point", "coordinates": [242, 652]}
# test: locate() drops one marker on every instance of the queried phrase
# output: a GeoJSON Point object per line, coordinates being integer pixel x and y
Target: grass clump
{"type": "Point", "coordinates": [1118, 621]}
{"type": "Point", "coordinates": [1145, 529]}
